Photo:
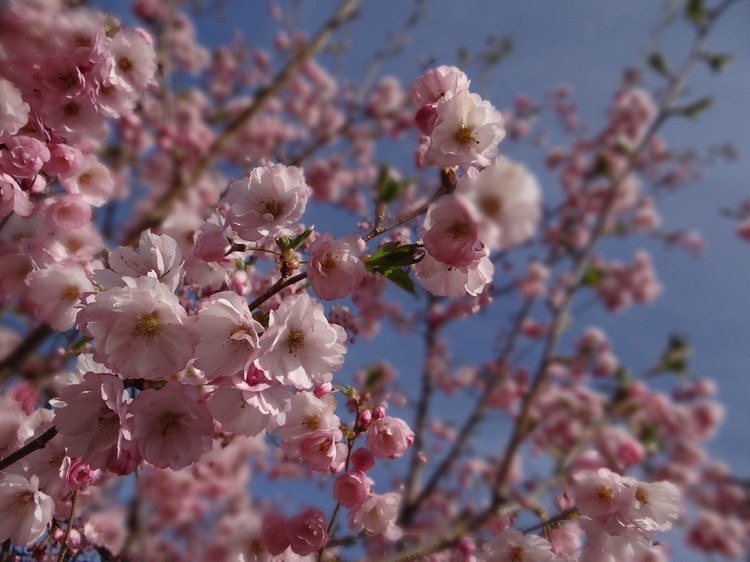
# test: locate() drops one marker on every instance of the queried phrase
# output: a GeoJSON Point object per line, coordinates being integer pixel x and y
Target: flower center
{"type": "Point", "coordinates": [147, 325]}
{"type": "Point", "coordinates": [107, 418]}
{"type": "Point", "coordinates": [73, 245]}
{"type": "Point", "coordinates": [605, 494]}
{"type": "Point", "coordinates": [311, 422]}
{"type": "Point", "coordinates": [517, 554]}
{"type": "Point", "coordinates": [23, 503]}
{"type": "Point", "coordinates": [296, 340]}
{"type": "Point", "coordinates": [491, 206]}
{"type": "Point", "coordinates": [272, 207]}
{"type": "Point", "coordinates": [465, 136]}
{"type": "Point", "coordinates": [125, 64]}
{"type": "Point", "coordinates": [642, 495]}
{"type": "Point", "coordinates": [329, 263]}
{"type": "Point", "coordinates": [71, 109]}
{"type": "Point", "coordinates": [70, 293]}
{"type": "Point", "coordinates": [168, 420]}
{"type": "Point", "coordinates": [458, 231]}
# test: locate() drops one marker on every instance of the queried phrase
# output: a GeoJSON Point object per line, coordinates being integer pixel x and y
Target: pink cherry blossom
{"type": "Point", "coordinates": [389, 437]}
{"type": "Point", "coordinates": [334, 268]}
{"type": "Point", "coordinates": [439, 82]}
{"type": "Point", "coordinates": [249, 410]}
{"type": "Point", "coordinates": [507, 199]}
{"type": "Point", "coordinates": [228, 335]}
{"type": "Point", "coordinates": [466, 132]}
{"type": "Point", "coordinates": [377, 515]}
{"type": "Point", "coordinates": [446, 280]}
{"type": "Point", "coordinates": [267, 203]}
{"type": "Point", "coordinates": [300, 347]}
{"type": "Point", "coordinates": [67, 212]}
{"type": "Point", "coordinates": [513, 545]}
{"type": "Point", "coordinates": [78, 474]}
{"type": "Point", "coordinates": [92, 418]}
{"type": "Point", "coordinates": [274, 533]}
{"type": "Point", "coordinates": [92, 180]}
{"type": "Point", "coordinates": [56, 292]}
{"type": "Point", "coordinates": [351, 489]}
{"type": "Point", "coordinates": [171, 427]}
{"type": "Point", "coordinates": [307, 531]}
{"type": "Point", "coordinates": [12, 198]}
{"type": "Point", "coordinates": [451, 232]}
{"type": "Point", "coordinates": [14, 112]}
{"type": "Point", "coordinates": [23, 157]}
{"type": "Point", "coordinates": [27, 512]}
{"type": "Point", "coordinates": [140, 330]}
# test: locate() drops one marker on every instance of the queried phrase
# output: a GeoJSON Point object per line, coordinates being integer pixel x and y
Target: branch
{"type": "Point", "coordinates": [64, 548]}
{"type": "Point", "coordinates": [33, 445]}
{"type": "Point", "coordinates": [183, 181]}
{"type": "Point", "coordinates": [33, 340]}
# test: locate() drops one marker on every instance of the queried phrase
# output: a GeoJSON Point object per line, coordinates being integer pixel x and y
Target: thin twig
{"type": "Point", "coordinates": [64, 548]}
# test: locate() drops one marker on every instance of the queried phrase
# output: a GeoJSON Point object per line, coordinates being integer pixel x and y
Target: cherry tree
{"type": "Point", "coordinates": [174, 376]}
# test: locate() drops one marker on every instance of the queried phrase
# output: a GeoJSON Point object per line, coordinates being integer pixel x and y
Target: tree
{"type": "Point", "coordinates": [177, 328]}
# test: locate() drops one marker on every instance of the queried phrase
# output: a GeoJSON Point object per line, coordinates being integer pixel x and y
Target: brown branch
{"type": "Point", "coordinates": [33, 445]}
{"type": "Point", "coordinates": [423, 405]}
{"type": "Point", "coordinates": [281, 284]}
{"type": "Point", "coordinates": [183, 181]}
{"type": "Point", "coordinates": [64, 548]}
{"type": "Point", "coordinates": [32, 341]}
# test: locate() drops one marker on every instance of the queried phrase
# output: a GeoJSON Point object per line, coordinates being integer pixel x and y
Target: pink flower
{"type": "Point", "coordinates": [171, 427]}
{"type": "Point", "coordinates": [362, 459]}
{"type": "Point", "coordinates": [318, 448]}
{"type": "Point", "coordinates": [56, 292]}
{"type": "Point", "coordinates": [91, 417]}
{"type": "Point", "coordinates": [389, 437]}
{"type": "Point", "coordinates": [308, 413]}
{"type": "Point", "coordinates": [445, 280]}
{"type": "Point", "coordinates": [249, 410]}
{"type": "Point", "coordinates": [351, 489]}
{"type": "Point", "coordinates": [656, 506]}
{"type": "Point", "coordinates": [334, 269]}
{"type": "Point", "coordinates": [92, 180]}
{"type": "Point", "coordinates": [64, 159]}
{"type": "Point", "coordinates": [274, 534]}
{"type": "Point", "coordinates": [67, 212]}
{"type": "Point", "coordinates": [307, 531]}
{"type": "Point", "coordinates": [228, 335]}
{"type": "Point", "coordinates": [14, 112]}
{"type": "Point", "coordinates": [267, 203]}
{"type": "Point", "coordinates": [27, 512]}
{"type": "Point", "coordinates": [300, 347]}
{"type": "Point", "coordinates": [78, 475]}
{"type": "Point", "coordinates": [466, 132]}
{"type": "Point", "coordinates": [513, 545]}
{"type": "Point", "coordinates": [133, 61]}
{"type": "Point", "coordinates": [507, 199]}
{"type": "Point", "coordinates": [23, 157]}
{"type": "Point", "coordinates": [12, 198]}
{"type": "Point", "coordinates": [451, 232]}
{"type": "Point", "coordinates": [212, 244]}
{"type": "Point", "coordinates": [436, 83]}
{"type": "Point", "coordinates": [157, 255]}
{"type": "Point", "coordinates": [140, 330]}
{"type": "Point", "coordinates": [377, 515]}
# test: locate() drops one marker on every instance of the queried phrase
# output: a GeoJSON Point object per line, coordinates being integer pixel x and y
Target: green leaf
{"type": "Point", "coordinates": [400, 277]}
{"type": "Point", "coordinates": [391, 254]}
{"type": "Point", "coordinates": [695, 10]}
{"type": "Point", "coordinates": [658, 63]}
{"type": "Point", "coordinates": [692, 110]}
{"type": "Point", "coordinates": [718, 61]}
{"type": "Point", "coordinates": [297, 241]}
{"type": "Point", "coordinates": [592, 276]}
{"type": "Point", "coordinates": [389, 189]}
{"type": "Point", "coordinates": [283, 243]}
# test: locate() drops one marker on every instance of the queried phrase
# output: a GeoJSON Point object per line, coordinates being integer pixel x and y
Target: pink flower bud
{"type": "Point", "coordinates": [364, 418]}
{"type": "Point", "coordinates": [425, 119]}
{"type": "Point", "coordinates": [211, 244]}
{"type": "Point", "coordinates": [378, 412]}
{"type": "Point", "coordinates": [323, 389]}
{"type": "Point", "coordinates": [362, 459]}
{"type": "Point", "coordinates": [79, 475]}
{"type": "Point", "coordinates": [274, 533]}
